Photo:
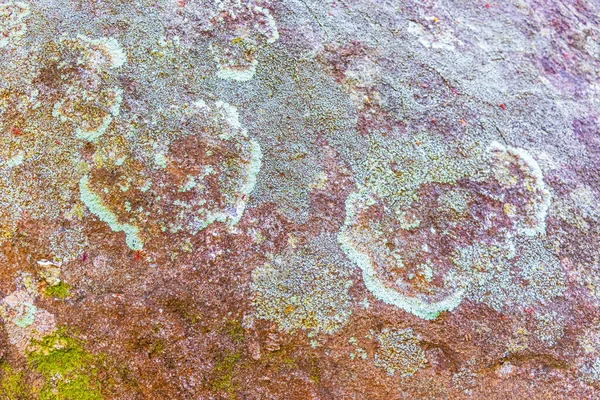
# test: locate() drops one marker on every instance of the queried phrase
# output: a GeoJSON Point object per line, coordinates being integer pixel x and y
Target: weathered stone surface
{"type": "Point", "coordinates": [299, 199]}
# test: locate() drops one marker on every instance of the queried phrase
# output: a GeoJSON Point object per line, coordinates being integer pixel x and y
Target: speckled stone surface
{"type": "Point", "coordinates": [299, 199]}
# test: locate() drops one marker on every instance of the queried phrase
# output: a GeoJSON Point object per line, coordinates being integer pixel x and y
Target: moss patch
{"type": "Point", "coordinates": [60, 291]}
{"type": "Point", "coordinates": [13, 385]}
{"type": "Point", "coordinates": [69, 371]}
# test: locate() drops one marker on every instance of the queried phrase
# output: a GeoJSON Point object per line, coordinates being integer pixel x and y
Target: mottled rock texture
{"type": "Point", "coordinates": [299, 199]}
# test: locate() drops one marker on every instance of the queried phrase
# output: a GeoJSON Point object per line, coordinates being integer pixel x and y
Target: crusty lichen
{"type": "Point", "coordinates": [56, 95]}
{"type": "Point", "coordinates": [23, 320]}
{"type": "Point", "coordinates": [202, 175]}
{"type": "Point", "coordinates": [94, 203]}
{"type": "Point", "coordinates": [304, 288]}
{"type": "Point", "coordinates": [590, 371]}
{"type": "Point", "coordinates": [12, 21]}
{"type": "Point", "coordinates": [429, 230]}
{"type": "Point", "coordinates": [517, 275]}
{"type": "Point", "coordinates": [244, 26]}
{"type": "Point", "coordinates": [89, 100]}
{"type": "Point", "coordinates": [399, 352]}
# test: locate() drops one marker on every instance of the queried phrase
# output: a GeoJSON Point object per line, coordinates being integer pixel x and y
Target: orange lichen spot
{"type": "Point", "coordinates": [289, 309]}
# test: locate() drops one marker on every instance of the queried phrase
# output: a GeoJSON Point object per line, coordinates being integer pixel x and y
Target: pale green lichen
{"type": "Point", "coordinates": [68, 244]}
{"type": "Point", "coordinates": [96, 207]}
{"type": "Point", "coordinates": [16, 160]}
{"type": "Point", "coordinates": [90, 108]}
{"type": "Point", "coordinates": [12, 21]}
{"type": "Point", "coordinates": [109, 47]}
{"type": "Point", "coordinates": [160, 160]}
{"type": "Point", "coordinates": [399, 352]}
{"type": "Point", "coordinates": [26, 315]}
{"type": "Point", "coordinates": [240, 75]}
{"type": "Point", "coordinates": [590, 371]}
{"type": "Point", "coordinates": [88, 128]}
{"type": "Point", "coordinates": [503, 157]}
{"type": "Point", "coordinates": [508, 276]}
{"type": "Point", "coordinates": [387, 203]}
{"type": "Point", "coordinates": [412, 304]}
{"type": "Point", "coordinates": [195, 189]}
{"type": "Point", "coordinates": [550, 327]}
{"type": "Point", "coordinates": [91, 135]}
{"type": "Point", "coordinates": [24, 321]}
{"type": "Point", "coordinates": [235, 57]}
{"type": "Point", "coordinates": [303, 288]}
{"type": "Point", "coordinates": [589, 365]}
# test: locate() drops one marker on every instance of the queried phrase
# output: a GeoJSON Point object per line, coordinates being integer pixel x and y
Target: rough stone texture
{"type": "Point", "coordinates": [299, 199]}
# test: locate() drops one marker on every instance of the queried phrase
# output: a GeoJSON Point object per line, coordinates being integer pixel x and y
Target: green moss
{"type": "Point", "coordinates": [12, 385]}
{"type": "Point", "coordinates": [60, 291]}
{"type": "Point", "coordinates": [223, 374]}
{"type": "Point", "coordinates": [69, 370]}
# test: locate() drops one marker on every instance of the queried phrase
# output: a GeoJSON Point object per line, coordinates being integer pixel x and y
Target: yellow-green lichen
{"type": "Point", "coordinates": [223, 374]}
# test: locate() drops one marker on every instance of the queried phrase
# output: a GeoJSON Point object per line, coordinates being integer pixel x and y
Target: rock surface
{"type": "Point", "coordinates": [299, 199]}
